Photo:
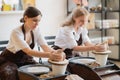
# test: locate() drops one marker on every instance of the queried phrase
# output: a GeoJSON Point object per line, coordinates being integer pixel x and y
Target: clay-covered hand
{"type": "Point", "coordinates": [57, 55]}
{"type": "Point", "coordinates": [99, 48]}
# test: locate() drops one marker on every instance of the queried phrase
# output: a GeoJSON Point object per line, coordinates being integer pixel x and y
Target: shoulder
{"type": "Point", "coordinates": [17, 30]}
{"type": "Point", "coordinates": [84, 30]}
{"type": "Point", "coordinates": [67, 28]}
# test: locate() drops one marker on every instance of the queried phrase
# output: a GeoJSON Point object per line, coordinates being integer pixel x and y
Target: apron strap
{"type": "Point", "coordinates": [32, 44]}
{"type": "Point", "coordinates": [79, 42]}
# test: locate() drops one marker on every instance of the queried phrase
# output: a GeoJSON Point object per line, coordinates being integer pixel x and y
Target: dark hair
{"type": "Point", "coordinates": [30, 12]}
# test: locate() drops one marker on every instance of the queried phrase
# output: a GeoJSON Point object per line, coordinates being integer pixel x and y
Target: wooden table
{"type": "Point", "coordinates": [108, 72]}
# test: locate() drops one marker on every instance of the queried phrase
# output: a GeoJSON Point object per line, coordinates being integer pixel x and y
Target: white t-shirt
{"type": "Point", "coordinates": [17, 41]}
{"type": "Point", "coordinates": [66, 39]}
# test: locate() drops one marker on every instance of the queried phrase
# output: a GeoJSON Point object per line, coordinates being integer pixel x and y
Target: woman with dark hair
{"type": "Point", "coordinates": [19, 50]}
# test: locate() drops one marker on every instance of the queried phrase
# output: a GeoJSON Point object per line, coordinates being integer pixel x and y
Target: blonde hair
{"type": "Point", "coordinates": [77, 12]}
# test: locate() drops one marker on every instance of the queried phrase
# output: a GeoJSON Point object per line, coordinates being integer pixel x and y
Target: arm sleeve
{"type": "Point", "coordinates": [85, 36]}
{"type": "Point", "coordinates": [40, 38]}
{"type": "Point", "coordinates": [18, 40]}
{"type": "Point", "coordinates": [69, 38]}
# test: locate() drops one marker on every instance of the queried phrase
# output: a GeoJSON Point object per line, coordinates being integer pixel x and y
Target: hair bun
{"type": "Point", "coordinates": [22, 20]}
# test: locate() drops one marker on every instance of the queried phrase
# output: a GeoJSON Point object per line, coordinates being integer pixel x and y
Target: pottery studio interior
{"type": "Point", "coordinates": [59, 40]}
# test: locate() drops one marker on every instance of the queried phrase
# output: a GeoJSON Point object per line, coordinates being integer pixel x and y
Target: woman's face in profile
{"type": "Point", "coordinates": [81, 20]}
{"type": "Point", "coordinates": [32, 22]}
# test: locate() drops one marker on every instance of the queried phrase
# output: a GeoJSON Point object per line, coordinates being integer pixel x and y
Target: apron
{"type": "Point", "coordinates": [68, 51]}
{"type": "Point", "coordinates": [9, 62]}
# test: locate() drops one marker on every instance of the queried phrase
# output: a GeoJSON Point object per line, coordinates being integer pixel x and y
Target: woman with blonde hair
{"type": "Point", "coordinates": [73, 34]}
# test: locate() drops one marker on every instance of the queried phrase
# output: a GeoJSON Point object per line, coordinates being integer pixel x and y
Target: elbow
{"type": "Point", "coordinates": [27, 51]}
{"type": "Point", "coordinates": [75, 48]}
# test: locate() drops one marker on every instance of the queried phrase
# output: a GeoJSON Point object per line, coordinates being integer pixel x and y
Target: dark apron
{"type": "Point", "coordinates": [9, 62]}
{"type": "Point", "coordinates": [68, 51]}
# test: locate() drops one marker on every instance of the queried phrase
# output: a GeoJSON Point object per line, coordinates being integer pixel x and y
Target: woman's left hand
{"type": "Point", "coordinates": [57, 55]}
{"type": "Point", "coordinates": [100, 48]}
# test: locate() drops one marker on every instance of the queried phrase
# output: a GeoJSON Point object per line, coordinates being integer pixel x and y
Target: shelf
{"type": "Point", "coordinates": [11, 12]}
{"type": "Point", "coordinates": [103, 28]}
{"type": "Point", "coordinates": [114, 44]}
{"type": "Point", "coordinates": [112, 11]}
{"type": "Point", "coordinates": [108, 10]}
{"type": "Point", "coordinates": [104, 11]}
{"type": "Point", "coordinates": [100, 11]}
{"type": "Point", "coordinates": [95, 11]}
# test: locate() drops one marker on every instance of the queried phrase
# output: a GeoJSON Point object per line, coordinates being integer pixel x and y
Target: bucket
{"type": "Point", "coordinates": [101, 57]}
{"type": "Point", "coordinates": [59, 68]}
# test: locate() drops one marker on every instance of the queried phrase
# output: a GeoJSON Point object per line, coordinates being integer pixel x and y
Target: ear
{"type": "Point", "coordinates": [25, 18]}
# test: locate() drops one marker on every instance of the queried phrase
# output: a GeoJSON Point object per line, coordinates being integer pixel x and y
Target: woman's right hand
{"type": "Point", "coordinates": [55, 56]}
{"type": "Point", "coordinates": [100, 48]}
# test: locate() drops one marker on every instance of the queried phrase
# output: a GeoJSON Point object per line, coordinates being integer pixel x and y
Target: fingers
{"type": "Point", "coordinates": [100, 48]}
{"type": "Point", "coordinates": [57, 57]}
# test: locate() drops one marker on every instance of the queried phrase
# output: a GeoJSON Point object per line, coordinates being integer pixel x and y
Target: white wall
{"type": "Point", "coordinates": [7, 23]}
{"type": "Point", "coordinates": [54, 11]}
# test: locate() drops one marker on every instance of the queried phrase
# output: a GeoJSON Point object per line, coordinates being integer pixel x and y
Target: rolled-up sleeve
{"type": "Point", "coordinates": [65, 38]}
{"type": "Point", "coordinates": [18, 41]}
{"type": "Point", "coordinates": [70, 40]}
{"type": "Point", "coordinates": [41, 40]}
{"type": "Point", "coordinates": [39, 37]}
{"type": "Point", "coordinates": [85, 36]}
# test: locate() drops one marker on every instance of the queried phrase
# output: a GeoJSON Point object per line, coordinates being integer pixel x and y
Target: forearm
{"type": "Point", "coordinates": [46, 48]}
{"type": "Point", "coordinates": [89, 44]}
{"type": "Point", "coordinates": [36, 53]}
{"type": "Point", "coordinates": [83, 48]}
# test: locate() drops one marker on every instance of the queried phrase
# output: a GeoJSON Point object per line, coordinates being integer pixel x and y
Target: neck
{"type": "Point", "coordinates": [76, 27]}
{"type": "Point", "coordinates": [27, 29]}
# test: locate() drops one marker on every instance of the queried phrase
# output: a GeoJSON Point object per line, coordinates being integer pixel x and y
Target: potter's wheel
{"type": "Point", "coordinates": [58, 62]}
{"type": "Point", "coordinates": [58, 68]}
{"type": "Point", "coordinates": [35, 69]}
{"type": "Point", "coordinates": [83, 61]}
{"type": "Point", "coordinates": [102, 53]}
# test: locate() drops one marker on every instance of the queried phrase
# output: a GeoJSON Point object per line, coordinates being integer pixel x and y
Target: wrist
{"type": "Point", "coordinates": [49, 54]}
{"type": "Point", "coordinates": [92, 48]}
